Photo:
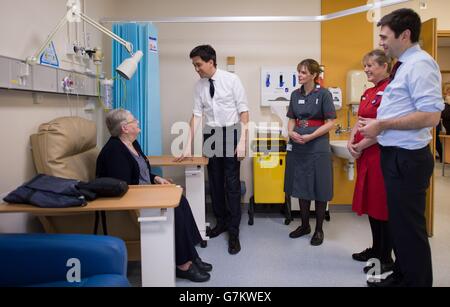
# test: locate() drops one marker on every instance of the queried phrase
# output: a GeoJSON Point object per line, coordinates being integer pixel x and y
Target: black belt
{"type": "Point", "coordinates": [213, 129]}
{"type": "Point", "coordinates": [396, 148]}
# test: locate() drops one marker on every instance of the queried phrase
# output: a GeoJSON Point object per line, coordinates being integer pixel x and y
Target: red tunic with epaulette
{"type": "Point", "coordinates": [370, 193]}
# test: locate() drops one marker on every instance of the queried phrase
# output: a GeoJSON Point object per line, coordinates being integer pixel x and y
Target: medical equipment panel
{"type": "Point", "coordinates": [4, 72]}
{"type": "Point", "coordinates": [17, 75]}
{"type": "Point", "coordinates": [44, 78]}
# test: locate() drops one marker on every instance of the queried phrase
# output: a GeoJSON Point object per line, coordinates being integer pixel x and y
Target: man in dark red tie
{"type": "Point", "coordinates": [410, 108]}
{"type": "Point", "coordinates": [394, 70]}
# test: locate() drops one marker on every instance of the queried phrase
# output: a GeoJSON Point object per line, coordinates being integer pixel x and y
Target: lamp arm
{"type": "Point", "coordinates": [101, 28]}
{"type": "Point", "coordinates": [69, 17]}
{"type": "Point", "coordinates": [33, 59]}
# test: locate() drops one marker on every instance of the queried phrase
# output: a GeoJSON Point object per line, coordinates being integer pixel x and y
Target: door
{"type": "Point", "coordinates": [428, 42]}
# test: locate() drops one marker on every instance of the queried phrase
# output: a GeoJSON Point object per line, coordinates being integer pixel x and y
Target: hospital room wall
{"type": "Point", "coordinates": [434, 9]}
{"type": "Point", "coordinates": [253, 44]}
{"type": "Point", "coordinates": [23, 31]}
{"type": "Point", "coordinates": [344, 42]}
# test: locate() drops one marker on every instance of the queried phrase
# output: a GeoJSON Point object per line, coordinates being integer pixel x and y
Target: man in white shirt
{"type": "Point", "coordinates": [220, 97]}
{"type": "Point", "coordinates": [411, 106]}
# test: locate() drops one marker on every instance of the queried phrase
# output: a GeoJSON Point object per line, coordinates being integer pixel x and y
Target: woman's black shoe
{"type": "Point", "coordinates": [193, 274]}
{"type": "Point", "coordinates": [205, 267]}
{"type": "Point", "coordinates": [300, 231]}
{"type": "Point", "coordinates": [364, 256]}
{"type": "Point", "coordinates": [384, 267]}
{"type": "Point", "coordinates": [317, 238]}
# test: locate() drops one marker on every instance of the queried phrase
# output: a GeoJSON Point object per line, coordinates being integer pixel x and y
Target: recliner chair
{"type": "Point", "coordinates": [66, 147]}
{"type": "Point", "coordinates": [44, 260]}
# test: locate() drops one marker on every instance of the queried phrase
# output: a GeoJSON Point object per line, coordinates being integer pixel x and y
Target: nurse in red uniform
{"type": "Point", "coordinates": [370, 194]}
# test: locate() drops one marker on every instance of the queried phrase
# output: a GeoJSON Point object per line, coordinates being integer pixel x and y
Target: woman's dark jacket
{"type": "Point", "coordinates": [115, 160]}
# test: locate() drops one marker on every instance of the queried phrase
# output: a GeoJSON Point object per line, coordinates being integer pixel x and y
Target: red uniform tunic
{"type": "Point", "coordinates": [370, 194]}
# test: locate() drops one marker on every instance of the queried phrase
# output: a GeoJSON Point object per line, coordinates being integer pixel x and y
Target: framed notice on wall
{"type": "Point", "coordinates": [153, 44]}
{"type": "Point", "coordinates": [49, 56]}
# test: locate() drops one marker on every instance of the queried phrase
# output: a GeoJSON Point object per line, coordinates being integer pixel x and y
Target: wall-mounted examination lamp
{"type": "Point", "coordinates": [74, 14]}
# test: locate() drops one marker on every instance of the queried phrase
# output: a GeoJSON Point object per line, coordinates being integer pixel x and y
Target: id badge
{"type": "Point", "coordinates": [289, 147]}
{"type": "Point", "coordinates": [301, 101]}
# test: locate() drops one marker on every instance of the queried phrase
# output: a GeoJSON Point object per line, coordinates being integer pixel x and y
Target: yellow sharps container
{"type": "Point", "coordinates": [268, 177]}
{"type": "Point", "coordinates": [269, 161]}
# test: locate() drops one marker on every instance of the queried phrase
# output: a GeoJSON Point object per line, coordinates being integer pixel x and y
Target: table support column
{"type": "Point", "coordinates": [157, 247]}
{"type": "Point", "coordinates": [195, 193]}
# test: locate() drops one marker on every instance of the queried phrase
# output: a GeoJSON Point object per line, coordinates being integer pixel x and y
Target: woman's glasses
{"type": "Point", "coordinates": [134, 120]}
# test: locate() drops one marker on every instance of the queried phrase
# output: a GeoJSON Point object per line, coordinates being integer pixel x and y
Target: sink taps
{"type": "Point", "coordinates": [339, 129]}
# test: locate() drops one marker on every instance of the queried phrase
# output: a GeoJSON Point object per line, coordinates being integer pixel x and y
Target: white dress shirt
{"type": "Point", "coordinates": [228, 103]}
{"type": "Point", "coordinates": [415, 88]}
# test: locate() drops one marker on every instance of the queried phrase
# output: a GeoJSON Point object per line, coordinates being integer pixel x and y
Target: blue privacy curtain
{"type": "Point", "coordinates": [140, 95]}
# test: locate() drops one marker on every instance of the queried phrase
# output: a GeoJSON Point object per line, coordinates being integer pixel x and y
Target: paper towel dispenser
{"type": "Point", "coordinates": [357, 84]}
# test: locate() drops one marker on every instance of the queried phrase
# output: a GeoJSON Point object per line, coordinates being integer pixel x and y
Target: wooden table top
{"type": "Point", "coordinates": [137, 197]}
{"type": "Point", "coordinates": [170, 161]}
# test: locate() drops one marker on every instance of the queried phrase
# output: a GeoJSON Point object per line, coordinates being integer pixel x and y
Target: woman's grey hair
{"type": "Point", "coordinates": [115, 119]}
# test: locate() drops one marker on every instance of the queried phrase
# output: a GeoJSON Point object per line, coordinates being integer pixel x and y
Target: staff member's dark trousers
{"type": "Point", "coordinates": [407, 176]}
{"type": "Point", "coordinates": [223, 176]}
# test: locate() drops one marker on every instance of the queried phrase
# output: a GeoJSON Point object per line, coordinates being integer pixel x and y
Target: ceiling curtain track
{"type": "Point", "coordinates": [319, 18]}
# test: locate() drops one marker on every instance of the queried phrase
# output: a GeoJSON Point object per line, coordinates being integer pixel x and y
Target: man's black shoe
{"type": "Point", "coordinates": [364, 256]}
{"type": "Point", "coordinates": [205, 267]}
{"type": "Point", "coordinates": [384, 268]}
{"type": "Point", "coordinates": [390, 281]}
{"type": "Point", "coordinates": [317, 238]}
{"type": "Point", "coordinates": [300, 231]}
{"type": "Point", "coordinates": [217, 231]}
{"type": "Point", "coordinates": [234, 246]}
{"type": "Point", "coordinates": [193, 274]}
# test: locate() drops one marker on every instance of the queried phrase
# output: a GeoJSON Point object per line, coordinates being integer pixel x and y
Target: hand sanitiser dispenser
{"type": "Point", "coordinates": [357, 84]}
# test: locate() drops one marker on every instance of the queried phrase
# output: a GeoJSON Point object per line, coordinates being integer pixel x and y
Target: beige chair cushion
{"type": "Point", "coordinates": [66, 147]}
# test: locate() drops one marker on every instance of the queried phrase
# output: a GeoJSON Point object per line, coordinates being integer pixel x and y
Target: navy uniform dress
{"type": "Point", "coordinates": [309, 169]}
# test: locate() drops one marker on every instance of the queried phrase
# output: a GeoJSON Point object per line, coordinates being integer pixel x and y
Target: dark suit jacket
{"type": "Point", "coordinates": [446, 118]}
{"type": "Point", "coordinates": [116, 161]}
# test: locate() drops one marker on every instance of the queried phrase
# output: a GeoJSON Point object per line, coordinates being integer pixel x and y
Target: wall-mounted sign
{"type": "Point", "coordinates": [277, 84]}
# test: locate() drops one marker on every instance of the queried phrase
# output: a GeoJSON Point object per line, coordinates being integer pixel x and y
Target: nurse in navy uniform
{"type": "Point", "coordinates": [309, 169]}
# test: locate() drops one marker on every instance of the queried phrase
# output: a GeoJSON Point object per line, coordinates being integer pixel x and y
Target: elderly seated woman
{"type": "Point", "coordinates": [122, 158]}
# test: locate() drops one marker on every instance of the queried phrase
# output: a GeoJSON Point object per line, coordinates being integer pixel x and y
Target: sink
{"type": "Point", "coordinates": [339, 149]}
